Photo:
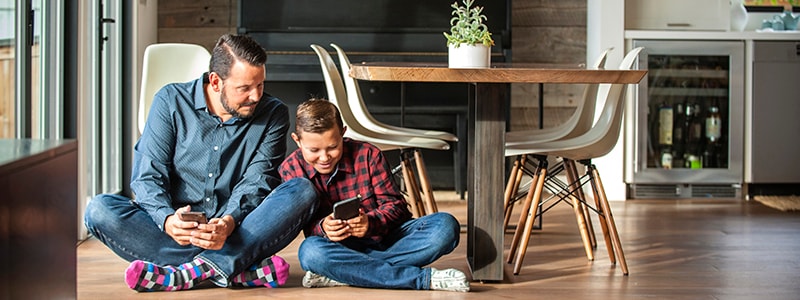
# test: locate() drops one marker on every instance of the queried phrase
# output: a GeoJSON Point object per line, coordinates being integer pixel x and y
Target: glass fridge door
{"type": "Point", "coordinates": [689, 113]}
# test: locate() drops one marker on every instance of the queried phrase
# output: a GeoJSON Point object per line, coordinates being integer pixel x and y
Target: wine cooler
{"type": "Point", "coordinates": [686, 139]}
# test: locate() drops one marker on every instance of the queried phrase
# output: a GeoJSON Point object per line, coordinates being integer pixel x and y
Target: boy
{"type": "Point", "coordinates": [382, 247]}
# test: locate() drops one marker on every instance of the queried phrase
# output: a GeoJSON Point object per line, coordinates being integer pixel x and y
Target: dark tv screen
{"type": "Point", "coordinates": [360, 15]}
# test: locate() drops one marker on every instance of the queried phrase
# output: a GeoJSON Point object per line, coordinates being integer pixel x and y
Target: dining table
{"type": "Point", "coordinates": [488, 106]}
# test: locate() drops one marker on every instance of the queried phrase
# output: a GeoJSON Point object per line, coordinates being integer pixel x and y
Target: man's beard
{"type": "Point", "coordinates": [223, 99]}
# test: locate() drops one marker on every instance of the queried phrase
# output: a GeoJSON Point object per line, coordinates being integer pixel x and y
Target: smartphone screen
{"type": "Point", "coordinates": [193, 216]}
{"type": "Point", "coordinates": [347, 209]}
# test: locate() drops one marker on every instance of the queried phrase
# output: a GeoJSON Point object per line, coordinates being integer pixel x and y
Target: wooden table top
{"type": "Point", "coordinates": [497, 73]}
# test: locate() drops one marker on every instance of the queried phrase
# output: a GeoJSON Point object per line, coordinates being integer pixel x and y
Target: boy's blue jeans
{"type": "Point", "coordinates": [395, 262]}
{"type": "Point", "coordinates": [130, 232]}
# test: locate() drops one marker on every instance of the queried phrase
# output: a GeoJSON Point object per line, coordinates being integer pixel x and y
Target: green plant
{"type": "Point", "coordinates": [467, 26]}
{"type": "Point", "coordinates": [771, 2]}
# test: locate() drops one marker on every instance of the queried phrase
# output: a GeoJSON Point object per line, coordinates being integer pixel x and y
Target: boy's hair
{"type": "Point", "coordinates": [317, 115]}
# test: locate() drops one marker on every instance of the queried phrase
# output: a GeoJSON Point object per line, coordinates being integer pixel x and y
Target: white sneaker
{"type": "Point", "coordinates": [312, 280]}
{"type": "Point", "coordinates": [449, 280]}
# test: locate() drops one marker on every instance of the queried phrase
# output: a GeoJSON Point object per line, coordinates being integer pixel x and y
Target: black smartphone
{"type": "Point", "coordinates": [193, 216]}
{"type": "Point", "coordinates": [347, 209]}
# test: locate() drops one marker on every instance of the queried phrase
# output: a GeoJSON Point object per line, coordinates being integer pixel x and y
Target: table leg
{"type": "Point", "coordinates": [485, 232]}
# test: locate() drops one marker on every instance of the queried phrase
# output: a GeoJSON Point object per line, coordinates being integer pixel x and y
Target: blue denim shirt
{"type": "Point", "coordinates": [186, 155]}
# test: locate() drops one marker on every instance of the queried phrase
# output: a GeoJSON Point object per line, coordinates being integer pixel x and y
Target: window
{"type": "Point", "coordinates": [771, 5]}
{"type": "Point", "coordinates": [7, 68]}
{"type": "Point", "coordinates": [28, 98]}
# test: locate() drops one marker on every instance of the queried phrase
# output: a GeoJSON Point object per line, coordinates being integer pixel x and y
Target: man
{"type": "Point", "coordinates": [213, 146]}
{"type": "Point", "coordinates": [382, 246]}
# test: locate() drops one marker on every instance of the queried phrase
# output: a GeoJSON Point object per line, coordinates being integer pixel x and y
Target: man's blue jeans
{"type": "Point", "coordinates": [395, 262]}
{"type": "Point", "coordinates": [130, 232]}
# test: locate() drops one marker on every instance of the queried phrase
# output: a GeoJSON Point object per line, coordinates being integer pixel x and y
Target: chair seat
{"type": "Point", "coordinates": [433, 134]}
{"type": "Point", "coordinates": [392, 142]}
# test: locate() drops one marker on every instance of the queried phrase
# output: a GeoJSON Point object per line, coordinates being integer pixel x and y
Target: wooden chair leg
{"type": "Point", "coordinates": [425, 184]}
{"type": "Point", "coordinates": [597, 184]}
{"type": "Point", "coordinates": [524, 215]}
{"type": "Point", "coordinates": [412, 191]}
{"type": "Point", "coordinates": [573, 186]}
{"type": "Point", "coordinates": [589, 226]}
{"type": "Point", "coordinates": [532, 209]}
{"type": "Point", "coordinates": [582, 196]}
{"type": "Point", "coordinates": [514, 178]}
{"type": "Point", "coordinates": [602, 219]}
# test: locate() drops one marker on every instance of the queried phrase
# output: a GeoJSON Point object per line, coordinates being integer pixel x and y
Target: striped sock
{"type": "Point", "coordinates": [148, 277]}
{"type": "Point", "coordinates": [271, 272]}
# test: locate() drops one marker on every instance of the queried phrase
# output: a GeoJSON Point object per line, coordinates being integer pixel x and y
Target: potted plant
{"type": "Point", "coordinates": [469, 41]}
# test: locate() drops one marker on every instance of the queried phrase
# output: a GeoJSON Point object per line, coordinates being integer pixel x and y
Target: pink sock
{"type": "Point", "coordinates": [147, 277]}
{"type": "Point", "coordinates": [271, 272]}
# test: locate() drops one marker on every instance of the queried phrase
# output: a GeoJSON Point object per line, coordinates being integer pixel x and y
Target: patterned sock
{"type": "Point", "coordinates": [148, 277]}
{"type": "Point", "coordinates": [449, 280]}
{"type": "Point", "coordinates": [271, 272]}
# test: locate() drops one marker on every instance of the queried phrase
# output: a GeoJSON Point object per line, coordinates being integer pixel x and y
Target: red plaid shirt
{"type": "Point", "coordinates": [361, 170]}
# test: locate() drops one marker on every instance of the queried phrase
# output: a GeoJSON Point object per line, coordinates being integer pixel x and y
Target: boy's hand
{"type": "Point", "coordinates": [338, 230]}
{"type": "Point", "coordinates": [359, 225]}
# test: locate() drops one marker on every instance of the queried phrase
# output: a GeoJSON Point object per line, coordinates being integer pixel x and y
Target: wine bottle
{"type": "Point", "coordinates": [678, 136]}
{"type": "Point", "coordinates": [713, 134]}
{"type": "Point", "coordinates": [695, 137]}
{"type": "Point", "coordinates": [713, 125]}
{"type": "Point", "coordinates": [665, 124]}
{"type": "Point", "coordinates": [665, 134]}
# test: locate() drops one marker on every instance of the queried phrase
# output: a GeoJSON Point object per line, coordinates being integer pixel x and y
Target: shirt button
{"type": "Point", "coordinates": [210, 175]}
{"type": "Point", "coordinates": [216, 148]}
{"type": "Point", "coordinates": [208, 199]}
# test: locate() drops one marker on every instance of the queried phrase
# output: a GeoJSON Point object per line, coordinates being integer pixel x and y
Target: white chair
{"type": "Point", "coordinates": [166, 63]}
{"type": "Point", "coordinates": [362, 114]}
{"type": "Point", "coordinates": [359, 109]}
{"type": "Point", "coordinates": [357, 131]}
{"type": "Point", "coordinates": [578, 123]}
{"type": "Point", "coordinates": [596, 142]}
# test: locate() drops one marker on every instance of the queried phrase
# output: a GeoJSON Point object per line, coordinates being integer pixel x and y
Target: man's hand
{"type": "Point", "coordinates": [338, 230]}
{"type": "Point", "coordinates": [179, 230]}
{"type": "Point", "coordinates": [210, 236]}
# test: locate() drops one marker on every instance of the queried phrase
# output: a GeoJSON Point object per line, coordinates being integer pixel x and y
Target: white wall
{"type": "Point", "coordinates": [146, 33]}
{"type": "Point", "coordinates": [605, 27]}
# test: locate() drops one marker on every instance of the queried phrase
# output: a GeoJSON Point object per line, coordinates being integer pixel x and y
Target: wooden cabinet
{"type": "Point", "coordinates": [677, 14]}
{"type": "Point", "coordinates": [38, 218]}
{"type": "Point", "coordinates": [776, 69]}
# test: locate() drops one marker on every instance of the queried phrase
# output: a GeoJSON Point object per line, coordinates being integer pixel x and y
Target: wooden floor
{"type": "Point", "coordinates": [687, 249]}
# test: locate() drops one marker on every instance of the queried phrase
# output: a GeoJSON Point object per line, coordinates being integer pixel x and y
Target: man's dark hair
{"type": "Point", "coordinates": [230, 48]}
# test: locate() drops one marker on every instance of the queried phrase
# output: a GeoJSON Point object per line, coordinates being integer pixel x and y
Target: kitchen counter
{"type": "Point", "coordinates": [712, 35]}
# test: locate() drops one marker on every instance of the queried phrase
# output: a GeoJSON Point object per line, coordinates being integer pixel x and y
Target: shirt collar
{"type": "Point", "coordinates": [200, 93]}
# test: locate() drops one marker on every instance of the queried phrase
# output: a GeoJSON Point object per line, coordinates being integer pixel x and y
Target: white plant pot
{"type": "Point", "coordinates": [469, 56]}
